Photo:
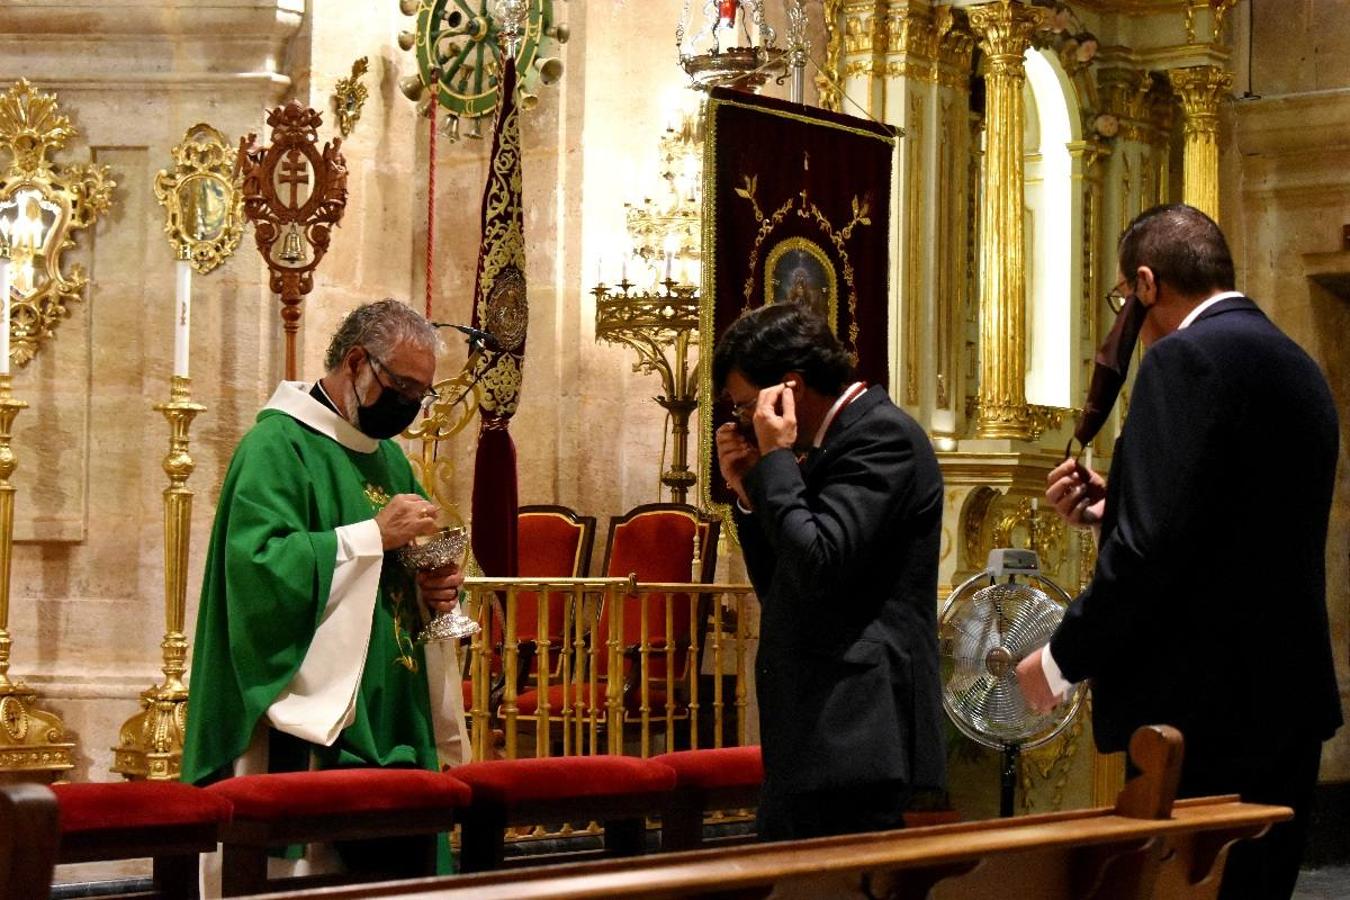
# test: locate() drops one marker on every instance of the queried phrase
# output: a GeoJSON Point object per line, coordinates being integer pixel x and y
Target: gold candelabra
{"type": "Point", "coordinates": [150, 744]}
{"type": "Point", "coordinates": [662, 327]}
{"type": "Point", "coordinates": [32, 740]}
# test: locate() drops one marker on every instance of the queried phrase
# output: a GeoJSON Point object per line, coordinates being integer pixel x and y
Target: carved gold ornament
{"type": "Point", "coordinates": [203, 198]}
{"type": "Point", "coordinates": [41, 206]}
{"type": "Point", "coordinates": [349, 95]}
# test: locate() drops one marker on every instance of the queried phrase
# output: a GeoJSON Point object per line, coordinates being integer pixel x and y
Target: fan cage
{"type": "Point", "coordinates": [984, 706]}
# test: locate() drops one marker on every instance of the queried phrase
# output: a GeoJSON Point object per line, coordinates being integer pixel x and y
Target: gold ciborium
{"type": "Point", "coordinates": [446, 547]}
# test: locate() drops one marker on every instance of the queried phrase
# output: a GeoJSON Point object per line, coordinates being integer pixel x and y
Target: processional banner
{"type": "Point", "coordinates": [796, 208]}
{"type": "Point", "coordinates": [500, 307]}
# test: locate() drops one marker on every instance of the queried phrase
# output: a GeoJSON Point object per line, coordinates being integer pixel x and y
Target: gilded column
{"type": "Point", "coordinates": [955, 46]}
{"type": "Point", "coordinates": [1201, 88]}
{"type": "Point", "coordinates": [1004, 30]}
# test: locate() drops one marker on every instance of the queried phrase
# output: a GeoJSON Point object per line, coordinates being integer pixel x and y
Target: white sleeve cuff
{"type": "Point", "coordinates": [1053, 676]}
{"type": "Point", "coordinates": [741, 507]}
{"type": "Point", "coordinates": [360, 540]}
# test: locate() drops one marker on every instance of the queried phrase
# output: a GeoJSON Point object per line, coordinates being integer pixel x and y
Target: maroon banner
{"type": "Point", "coordinates": [796, 209]}
{"type": "Point", "coordinates": [501, 308]}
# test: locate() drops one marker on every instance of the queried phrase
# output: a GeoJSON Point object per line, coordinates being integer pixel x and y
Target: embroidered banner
{"type": "Point", "coordinates": [796, 208]}
{"type": "Point", "coordinates": [500, 307]}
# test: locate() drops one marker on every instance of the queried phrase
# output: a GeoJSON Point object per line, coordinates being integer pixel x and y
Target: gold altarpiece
{"type": "Point", "coordinates": [1143, 82]}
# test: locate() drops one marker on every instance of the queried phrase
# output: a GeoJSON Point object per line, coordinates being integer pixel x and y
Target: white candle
{"type": "Point", "coordinates": [1087, 458]}
{"type": "Point", "coordinates": [182, 318]}
{"type": "Point", "coordinates": [4, 315]}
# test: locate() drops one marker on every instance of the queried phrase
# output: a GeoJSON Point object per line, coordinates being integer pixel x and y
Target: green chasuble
{"type": "Point", "coordinates": [270, 587]}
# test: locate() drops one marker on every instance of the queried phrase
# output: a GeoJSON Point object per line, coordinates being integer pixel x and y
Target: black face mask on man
{"type": "Point", "coordinates": [1110, 368]}
{"type": "Point", "coordinates": [387, 416]}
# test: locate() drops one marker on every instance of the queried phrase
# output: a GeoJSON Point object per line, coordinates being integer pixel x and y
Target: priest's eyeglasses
{"type": "Point", "coordinates": [401, 386]}
{"type": "Point", "coordinates": [1115, 298]}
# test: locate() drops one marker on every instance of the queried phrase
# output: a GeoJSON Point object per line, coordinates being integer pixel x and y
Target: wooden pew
{"type": "Point", "coordinates": [1146, 846]}
{"type": "Point", "coordinates": [29, 834]}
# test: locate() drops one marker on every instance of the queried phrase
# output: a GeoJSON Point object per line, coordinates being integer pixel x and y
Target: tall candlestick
{"type": "Point", "coordinates": [182, 314]}
{"type": "Point", "coordinates": [4, 309]}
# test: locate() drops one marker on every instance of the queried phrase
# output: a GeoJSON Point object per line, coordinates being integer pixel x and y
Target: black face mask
{"type": "Point", "coordinates": [388, 416]}
{"type": "Point", "coordinates": [1110, 368]}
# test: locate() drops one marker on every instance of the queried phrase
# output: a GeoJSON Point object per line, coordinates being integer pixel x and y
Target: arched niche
{"type": "Point", "coordinates": [1054, 230]}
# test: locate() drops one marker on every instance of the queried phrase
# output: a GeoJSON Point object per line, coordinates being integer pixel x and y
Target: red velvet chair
{"type": "Point", "coordinates": [168, 821]}
{"type": "Point", "coordinates": [331, 805]}
{"type": "Point", "coordinates": [707, 780]}
{"type": "Point", "coordinates": [554, 542]}
{"type": "Point", "coordinates": [655, 542]}
{"type": "Point", "coordinates": [620, 792]}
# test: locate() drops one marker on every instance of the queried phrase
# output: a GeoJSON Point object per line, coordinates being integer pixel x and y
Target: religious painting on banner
{"type": "Point", "coordinates": [501, 308]}
{"type": "Point", "coordinates": [796, 209]}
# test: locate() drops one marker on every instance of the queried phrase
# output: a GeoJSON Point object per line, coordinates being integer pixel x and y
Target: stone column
{"type": "Point", "coordinates": [1004, 30]}
{"type": "Point", "coordinates": [1200, 89]}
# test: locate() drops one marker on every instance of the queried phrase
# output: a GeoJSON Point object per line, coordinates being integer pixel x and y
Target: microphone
{"type": "Point", "coordinates": [477, 336]}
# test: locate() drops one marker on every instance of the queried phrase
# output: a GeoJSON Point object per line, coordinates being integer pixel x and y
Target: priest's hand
{"type": "Point", "coordinates": [405, 517]}
{"type": "Point", "coordinates": [1035, 687]}
{"type": "Point", "coordinates": [1077, 493]}
{"type": "Point", "coordinates": [440, 587]}
{"type": "Point", "coordinates": [735, 457]}
{"type": "Point", "coordinates": [776, 419]}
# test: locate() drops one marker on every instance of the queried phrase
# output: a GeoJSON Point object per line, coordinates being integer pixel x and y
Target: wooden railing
{"type": "Point", "coordinates": [581, 666]}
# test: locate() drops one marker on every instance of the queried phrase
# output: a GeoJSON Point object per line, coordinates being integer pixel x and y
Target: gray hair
{"type": "Point", "coordinates": [380, 327]}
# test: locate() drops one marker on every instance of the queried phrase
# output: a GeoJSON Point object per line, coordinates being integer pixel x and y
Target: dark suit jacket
{"type": "Point", "coordinates": [1207, 609]}
{"type": "Point", "coordinates": [843, 554]}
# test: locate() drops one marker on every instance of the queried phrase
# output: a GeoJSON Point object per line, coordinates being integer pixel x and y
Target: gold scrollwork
{"type": "Point", "coordinates": [802, 206]}
{"type": "Point", "coordinates": [349, 95]}
{"type": "Point", "coordinates": [203, 197]}
{"type": "Point", "coordinates": [41, 205]}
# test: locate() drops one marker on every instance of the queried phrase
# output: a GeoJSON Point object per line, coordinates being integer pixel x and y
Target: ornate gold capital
{"type": "Point", "coordinates": [955, 46]}
{"type": "Point", "coordinates": [1005, 30]}
{"type": "Point", "coordinates": [1201, 89]}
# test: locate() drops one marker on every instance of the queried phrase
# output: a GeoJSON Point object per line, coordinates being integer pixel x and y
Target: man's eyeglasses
{"type": "Point", "coordinates": [401, 386]}
{"type": "Point", "coordinates": [744, 412]}
{"type": "Point", "coordinates": [1115, 298]}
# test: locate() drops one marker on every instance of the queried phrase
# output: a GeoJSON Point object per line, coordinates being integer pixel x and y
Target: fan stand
{"type": "Point", "coordinates": [1007, 796]}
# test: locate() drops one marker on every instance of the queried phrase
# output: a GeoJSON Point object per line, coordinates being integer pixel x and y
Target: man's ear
{"type": "Point", "coordinates": [1146, 286]}
{"type": "Point", "coordinates": [351, 363]}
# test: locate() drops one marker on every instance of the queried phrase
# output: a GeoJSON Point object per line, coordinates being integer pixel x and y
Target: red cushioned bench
{"type": "Point", "coordinates": [334, 805]}
{"type": "Point", "coordinates": [170, 822]}
{"type": "Point", "coordinates": [706, 780]}
{"type": "Point", "coordinates": [619, 792]}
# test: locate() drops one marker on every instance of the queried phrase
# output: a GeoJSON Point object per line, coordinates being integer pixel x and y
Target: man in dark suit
{"type": "Point", "coordinates": [839, 514]}
{"type": "Point", "coordinates": [1207, 609]}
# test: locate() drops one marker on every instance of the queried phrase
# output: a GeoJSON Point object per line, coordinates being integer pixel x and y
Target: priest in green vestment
{"type": "Point", "coordinates": [305, 654]}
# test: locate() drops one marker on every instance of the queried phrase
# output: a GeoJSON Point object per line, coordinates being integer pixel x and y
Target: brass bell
{"type": "Point", "coordinates": [292, 247]}
{"type": "Point", "coordinates": [475, 129]}
{"type": "Point", "coordinates": [528, 101]}
{"type": "Point", "coordinates": [411, 86]}
{"type": "Point", "coordinates": [408, 7]}
{"type": "Point", "coordinates": [559, 33]}
{"type": "Point", "coordinates": [550, 69]}
{"type": "Point", "coordinates": [406, 40]}
{"type": "Point", "coordinates": [450, 128]}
